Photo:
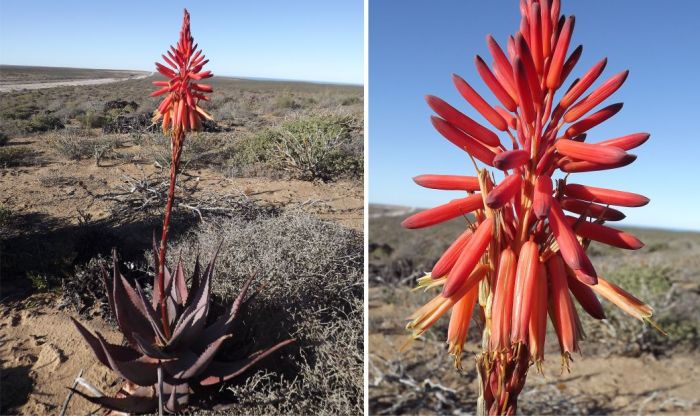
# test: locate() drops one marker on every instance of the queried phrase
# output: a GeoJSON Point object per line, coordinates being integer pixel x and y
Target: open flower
{"type": "Point", "coordinates": [522, 254]}
{"type": "Point", "coordinates": [180, 110]}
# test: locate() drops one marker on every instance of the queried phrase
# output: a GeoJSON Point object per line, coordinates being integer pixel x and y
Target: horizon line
{"type": "Point", "coordinates": [247, 77]}
{"type": "Point", "coordinates": [626, 225]}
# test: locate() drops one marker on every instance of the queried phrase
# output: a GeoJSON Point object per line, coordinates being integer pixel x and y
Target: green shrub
{"type": "Point", "coordinates": [44, 122]}
{"type": "Point", "coordinates": [92, 120]}
{"type": "Point", "coordinates": [321, 147]}
{"type": "Point", "coordinates": [4, 138]}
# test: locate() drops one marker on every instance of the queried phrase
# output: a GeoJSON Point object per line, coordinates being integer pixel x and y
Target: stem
{"type": "Point", "coordinates": [160, 390]}
{"type": "Point", "coordinates": [174, 166]}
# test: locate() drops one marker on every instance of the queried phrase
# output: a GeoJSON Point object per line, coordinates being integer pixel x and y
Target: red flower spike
{"type": "Point", "coordinates": [590, 152]}
{"type": "Point", "coordinates": [484, 108]}
{"type": "Point", "coordinates": [463, 141]}
{"type": "Point", "coordinates": [469, 258]}
{"type": "Point", "coordinates": [181, 105]}
{"type": "Point", "coordinates": [445, 212]}
{"type": "Point", "coordinates": [504, 191]}
{"type": "Point", "coordinates": [593, 120]}
{"type": "Point", "coordinates": [448, 182]}
{"type": "Point", "coordinates": [511, 159]}
{"type": "Point", "coordinates": [450, 256]}
{"type": "Point", "coordinates": [585, 296]}
{"type": "Point", "coordinates": [563, 312]}
{"type": "Point", "coordinates": [591, 210]}
{"type": "Point", "coordinates": [543, 197]}
{"type": "Point", "coordinates": [605, 235]}
{"type": "Point", "coordinates": [569, 246]}
{"type": "Point", "coordinates": [584, 83]}
{"type": "Point", "coordinates": [596, 97]}
{"type": "Point", "coordinates": [554, 78]}
{"type": "Point", "coordinates": [498, 256]}
{"type": "Point", "coordinates": [605, 196]}
{"type": "Point", "coordinates": [462, 122]}
{"type": "Point", "coordinates": [495, 86]}
{"type": "Point", "coordinates": [627, 142]}
{"type": "Point", "coordinates": [526, 276]}
{"type": "Point", "coordinates": [503, 301]}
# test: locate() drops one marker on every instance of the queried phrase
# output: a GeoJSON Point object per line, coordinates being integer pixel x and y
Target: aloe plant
{"type": "Point", "coordinates": [173, 338]}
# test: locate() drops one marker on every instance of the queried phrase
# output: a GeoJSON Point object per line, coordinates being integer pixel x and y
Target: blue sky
{"type": "Point", "coordinates": [313, 40]}
{"type": "Point", "coordinates": [414, 49]}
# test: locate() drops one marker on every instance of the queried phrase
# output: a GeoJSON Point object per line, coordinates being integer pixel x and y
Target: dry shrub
{"type": "Point", "coordinates": [310, 273]}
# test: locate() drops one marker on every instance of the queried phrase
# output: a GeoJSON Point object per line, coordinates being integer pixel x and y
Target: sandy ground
{"type": "Point", "coordinates": [422, 378]}
{"type": "Point", "coordinates": [66, 83]}
{"type": "Point", "coordinates": [42, 354]}
{"type": "Point", "coordinates": [58, 188]}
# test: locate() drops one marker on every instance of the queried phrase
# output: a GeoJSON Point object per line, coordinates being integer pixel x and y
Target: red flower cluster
{"type": "Point", "coordinates": [521, 257]}
{"type": "Point", "coordinates": [179, 110]}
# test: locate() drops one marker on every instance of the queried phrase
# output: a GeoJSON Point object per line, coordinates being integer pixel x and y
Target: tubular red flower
{"type": "Point", "coordinates": [554, 78]}
{"type": "Point", "coordinates": [596, 97]}
{"type": "Point", "coordinates": [569, 246]}
{"type": "Point", "coordinates": [537, 327]}
{"type": "Point", "coordinates": [584, 296]}
{"type": "Point", "coordinates": [605, 235]}
{"type": "Point", "coordinates": [502, 308]}
{"type": "Point", "coordinates": [479, 103]}
{"type": "Point", "coordinates": [589, 209]}
{"type": "Point", "coordinates": [526, 276]}
{"type": "Point", "coordinates": [448, 182]}
{"type": "Point", "coordinates": [511, 159]}
{"type": "Point", "coordinates": [467, 261]}
{"type": "Point", "coordinates": [576, 166]}
{"type": "Point", "coordinates": [583, 84]}
{"type": "Point", "coordinates": [627, 142]}
{"type": "Point", "coordinates": [495, 85]}
{"type": "Point", "coordinates": [605, 155]}
{"type": "Point", "coordinates": [563, 312]}
{"type": "Point", "coordinates": [459, 324]}
{"type": "Point", "coordinates": [504, 192]}
{"type": "Point", "coordinates": [462, 122]}
{"type": "Point", "coordinates": [523, 89]}
{"type": "Point", "coordinates": [450, 256]}
{"type": "Point", "coordinates": [523, 52]}
{"type": "Point", "coordinates": [445, 212]}
{"type": "Point", "coordinates": [605, 196]}
{"type": "Point", "coordinates": [543, 196]}
{"type": "Point", "coordinates": [463, 141]}
{"type": "Point", "coordinates": [593, 120]}
{"type": "Point", "coordinates": [502, 66]}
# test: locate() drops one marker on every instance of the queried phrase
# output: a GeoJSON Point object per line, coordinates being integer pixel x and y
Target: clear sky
{"type": "Point", "coordinates": [315, 40]}
{"type": "Point", "coordinates": [414, 49]}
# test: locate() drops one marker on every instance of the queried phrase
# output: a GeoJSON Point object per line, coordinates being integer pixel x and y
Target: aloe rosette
{"type": "Point", "coordinates": [521, 257]}
{"type": "Point", "coordinates": [187, 357]}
